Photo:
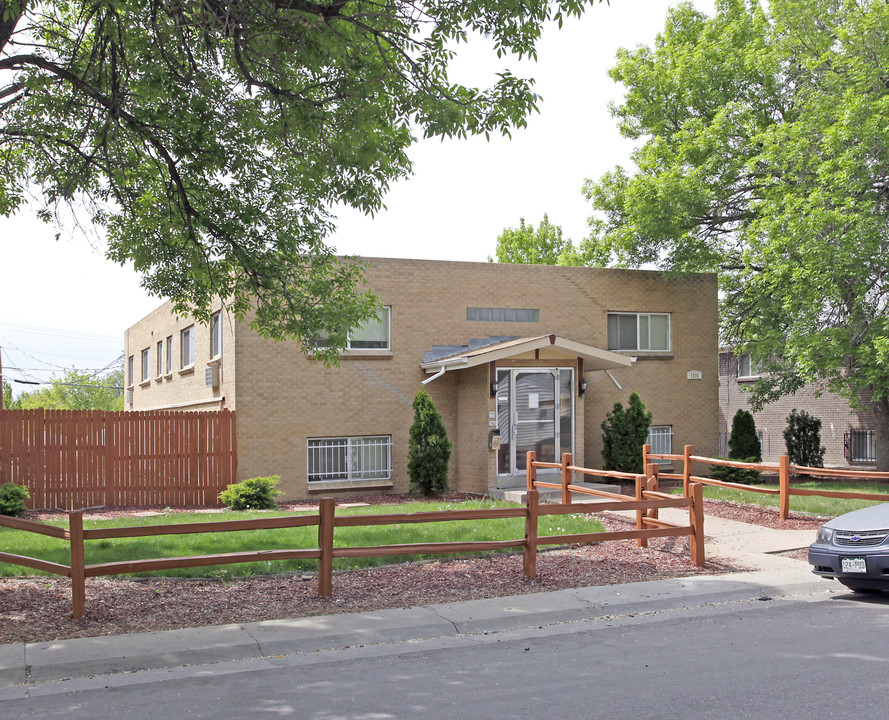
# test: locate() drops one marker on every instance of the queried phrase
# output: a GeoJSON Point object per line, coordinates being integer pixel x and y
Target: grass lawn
{"type": "Point", "coordinates": [111, 550]}
{"type": "Point", "coordinates": [806, 504]}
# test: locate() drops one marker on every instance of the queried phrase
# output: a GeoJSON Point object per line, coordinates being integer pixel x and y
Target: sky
{"type": "Point", "coordinates": [63, 305]}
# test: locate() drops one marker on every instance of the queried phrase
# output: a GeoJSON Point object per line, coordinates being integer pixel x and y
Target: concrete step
{"type": "Point", "coordinates": [553, 496]}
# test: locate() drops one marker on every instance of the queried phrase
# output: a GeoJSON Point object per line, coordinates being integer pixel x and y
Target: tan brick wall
{"type": "Point", "coordinates": [837, 417]}
{"type": "Point", "coordinates": [181, 388]}
{"type": "Point", "coordinates": [283, 397]}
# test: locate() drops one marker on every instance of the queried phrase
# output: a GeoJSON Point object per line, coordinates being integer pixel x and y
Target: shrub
{"type": "Point", "coordinates": [12, 499]}
{"type": "Point", "coordinates": [254, 494]}
{"type": "Point", "coordinates": [429, 449]}
{"type": "Point", "coordinates": [736, 475]}
{"type": "Point", "coordinates": [743, 443]}
{"type": "Point", "coordinates": [803, 439]}
{"type": "Point", "coordinates": [624, 432]}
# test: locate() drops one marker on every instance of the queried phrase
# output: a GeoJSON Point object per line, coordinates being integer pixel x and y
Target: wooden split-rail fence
{"type": "Point", "coordinates": [646, 503]}
{"type": "Point", "coordinates": [784, 469]}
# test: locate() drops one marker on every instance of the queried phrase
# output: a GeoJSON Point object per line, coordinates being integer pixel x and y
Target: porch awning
{"type": "Point", "coordinates": [593, 358]}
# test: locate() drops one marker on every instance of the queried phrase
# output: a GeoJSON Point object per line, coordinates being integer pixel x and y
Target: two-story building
{"type": "Point", "coordinates": [516, 358]}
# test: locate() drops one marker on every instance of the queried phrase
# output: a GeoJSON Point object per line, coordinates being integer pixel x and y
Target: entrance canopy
{"type": "Point", "coordinates": [476, 353]}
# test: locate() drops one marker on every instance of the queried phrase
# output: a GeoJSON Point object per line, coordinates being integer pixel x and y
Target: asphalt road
{"type": "Point", "coordinates": [815, 657]}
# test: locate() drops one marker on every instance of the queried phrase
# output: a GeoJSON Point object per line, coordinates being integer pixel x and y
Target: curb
{"type": "Point", "coordinates": [30, 663]}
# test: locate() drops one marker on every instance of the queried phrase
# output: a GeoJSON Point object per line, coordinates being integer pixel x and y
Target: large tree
{"type": "Point", "coordinates": [543, 245]}
{"type": "Point", "coordinates": [76, 390]}
{"type": "Point", "coordinates": [212, 139]}
{"type": "Point", "coordinates": [764, 156]}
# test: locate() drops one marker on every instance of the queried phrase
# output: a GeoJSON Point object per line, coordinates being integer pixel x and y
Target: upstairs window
{"type": "Point", "coordinates": [639, 331]}
{"type": "Point", "coordinates": [187, 347]}
{"type": "Point", "coordinates": [216, 335]}
{"type": "Point", "coordinates": [484, 314]}
{"type": "Point", "coordinates": [160, 358]}
{"type": "Point", "coordinates": [373, 334]}
{"type": "Point", "coordinates": [748, 368]}
{"type": "Point", "coordinates": [130, 366]}
{"type": "Point", "coordinates": [146, 364]}
{"type": "Point", "coordinates": [169, 354]}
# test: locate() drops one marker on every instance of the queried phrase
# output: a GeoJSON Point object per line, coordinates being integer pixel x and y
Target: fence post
{"type": "Point", "coordinates": [530, 470]}
{"type": "Point", "coordinates": [529, 550]}
{"type": "Point", "coordinates": [696, 519]}
{"type": "Point", "coordinates": [784, 485]}
{"type": "Point", "coordinates": [78, 561]}
{"type": "Point", "coordinates": [566, 478]}
{"type": "Point", "coordinates": [646, 456]}
{"type": "Point", "coordinates": [687, 452]}
{"type": "Point", "coordinates": [652, 482]}
{"type": "Point", "coordinates": [326, 509]}
{"type": "Point", "coordinates": [640, 513]}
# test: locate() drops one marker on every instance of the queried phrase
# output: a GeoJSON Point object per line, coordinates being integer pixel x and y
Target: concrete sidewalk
{"type": "Point", "coordinates": [751, 546]}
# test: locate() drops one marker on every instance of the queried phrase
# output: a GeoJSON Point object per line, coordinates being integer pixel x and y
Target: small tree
{"type": "Point", "coordinates": [803, 439]}
{"type": "Point", "coordinates": [624, 432]}
{"type": "Point", "coordinates": [743, 443]}
{"type": "Point", "coordinates": [429, 449]}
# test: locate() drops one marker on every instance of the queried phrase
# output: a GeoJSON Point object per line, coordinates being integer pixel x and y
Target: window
{"type": "Point", "coordinates": [660, 437]}
{"type": "Point", "coordinates": [748, 368]}
{"type": "Point", "coordinates": [130, 369]}
{"type": "Point", "coordinates": [187, 349]}
{"type": "Point", "coordinates": [169, 354]}
{"type": "Point", "coordinates": [216, 335]}
{"type": "Point", "coordinates": [160, 358]}
{"type": "Point", "coordinates": [350, 458]}
{"type": "Point", "coordinates": [146, 364]}
{"type": "Point", "coordinates": [639, 331]}
{"type": "Point", "coordinates": [371, 335]}
{"type": "Point", "coordinates": [480, 314]}
{"type": "Point", "coordinates": [860, 446]}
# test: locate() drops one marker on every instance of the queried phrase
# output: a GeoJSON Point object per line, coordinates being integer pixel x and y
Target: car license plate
{"type": "Point", "coordinates": [853, 565]}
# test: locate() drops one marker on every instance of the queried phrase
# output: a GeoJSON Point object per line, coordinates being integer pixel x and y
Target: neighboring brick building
{"type": "Point", "coordinates": [847, 436]}
{"type": "Point", "coordinates": [515, 353]}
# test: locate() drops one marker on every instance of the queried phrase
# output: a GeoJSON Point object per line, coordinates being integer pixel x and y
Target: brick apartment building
{"type": "Point", "coordinates": [847, 436]}
{"type": "Point", "coordinates": [517, 357]}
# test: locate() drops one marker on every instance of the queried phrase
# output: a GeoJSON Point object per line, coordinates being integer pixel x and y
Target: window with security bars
{"type": "Point", "coordinates": [660, 437]}
{"type": "Point", "coordinates": [860, 446]}
{"type": "Point", "coordinates": [350, 458]}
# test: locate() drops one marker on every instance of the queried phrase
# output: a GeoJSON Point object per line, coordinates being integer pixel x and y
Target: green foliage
{"type": "Point", "coordinates": [762, 155]}
{"type": "Point", "coordinates": [737, 475]}
{"type": "Point", "coordinates": [543, 245]}
{"type": "Point", "coordinates": [429, 449]}
{"type": "Point", "coordinates": [213, 142]}
{"type": "Point", "coordinates": [12, 499]}
{"type": "Point", "coordinates": [743, 442]}
{"type": "Point", "coordinates": [257, 493]}
{"type": "Point", "coordinates": [8, 402]}
{"type": "Point", "coordinates": [624, 432]}
{"type": "Point", "coordinates": [803, 439]}
{"type": "Point", "coordinates": [77, 390]}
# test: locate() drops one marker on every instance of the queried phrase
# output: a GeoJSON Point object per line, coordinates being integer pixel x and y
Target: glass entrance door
{"type": "Point", "coordinates": [535, 411]}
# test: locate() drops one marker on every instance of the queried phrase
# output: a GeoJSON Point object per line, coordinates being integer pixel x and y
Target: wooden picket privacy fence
{"type": "Point", "coordinates": [84, 458]}
{"type": "Point", "coordinates": [646, 503]}
{"type": "Point", "coordinates": [783, 468]}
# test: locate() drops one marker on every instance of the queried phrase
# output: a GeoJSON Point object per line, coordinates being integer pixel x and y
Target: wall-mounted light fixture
{"type": "Point", "coordinates": [581, 387]}
{"type": "Point", "coordinates": [494, 389]}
